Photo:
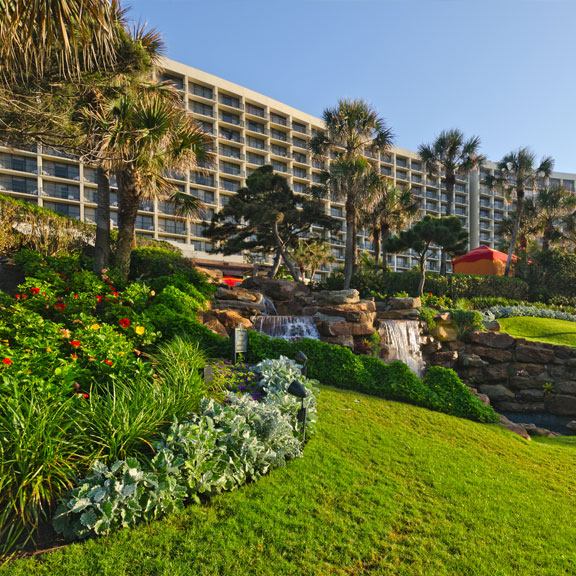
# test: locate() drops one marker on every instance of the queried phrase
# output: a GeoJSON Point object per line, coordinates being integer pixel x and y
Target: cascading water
{"type": "Point", "coordinates": [269, 306]}
{"type": "Point", "coordinates": [403, 340]}
{"type": "Point", "coordinates": [289, 328]}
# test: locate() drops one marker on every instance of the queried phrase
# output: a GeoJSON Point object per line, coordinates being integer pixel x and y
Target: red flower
{"type": "Point", "coordinates": [115, 294]}
{"type": "Point", "coordinates": [99, 298]}
{"type": "Point", "coordinates": [17, 296]}
{"type": "Point", "coordinates": [7, 361]}
{"type": "Point", "coordinates": [75, 343]}
{"type": "Point", "coordinates": [109, 362]}
{"type": "Point", "coordinates": [35, 290]}
{"type": "Point", "coordinates": [75, 295]}
{"type": "Point", "coordinates": [60, 306]}
{"type": "Point", "coordinates": [124, 322]}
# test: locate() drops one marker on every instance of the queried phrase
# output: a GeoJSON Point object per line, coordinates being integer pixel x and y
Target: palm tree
{"type": "Point", "coordinates": [554, 205]}
{"type": "Point", "coordinates": [149, 133]}
{"type": "Point", "coordinates": [388, 211]}
{"type": "Point", "coordinates": [56, 37]}
{"type": "Point", "coordinates": [515, 174]}
{"type": "Point", "coordinates": [352, 128]}
{"type": "Point", "coordinates": [309, 255]}
{"type": "Point", "coordinates": [451, 154]}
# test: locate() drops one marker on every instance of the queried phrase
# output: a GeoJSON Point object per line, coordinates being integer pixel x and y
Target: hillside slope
{"type": "Point", "coordinates": [384, 488]}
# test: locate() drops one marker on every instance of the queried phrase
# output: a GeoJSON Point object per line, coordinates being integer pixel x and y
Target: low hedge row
{"type": "Point", "coordinates": [440, 389]}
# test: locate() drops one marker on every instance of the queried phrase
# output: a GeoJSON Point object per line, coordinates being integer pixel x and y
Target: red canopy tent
{"type": "Point", "coordinates": [482, 260]}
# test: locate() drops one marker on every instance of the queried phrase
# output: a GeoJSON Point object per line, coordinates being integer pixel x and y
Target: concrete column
{"type": "Point", "coordinates": [474, 208]}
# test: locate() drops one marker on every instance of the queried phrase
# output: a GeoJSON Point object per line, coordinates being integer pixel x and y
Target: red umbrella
{"type": "Point", "coordinates": [231, 280]}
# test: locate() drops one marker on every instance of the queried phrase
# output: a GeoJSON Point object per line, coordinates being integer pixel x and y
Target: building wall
{"type": "Point", "coordinates": [249, 130]}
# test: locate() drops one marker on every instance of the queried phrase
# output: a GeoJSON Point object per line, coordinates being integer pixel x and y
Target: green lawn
{"type": "Point", "coordinates": [384, 488]}
{"type": "Point", "coordinates": [541, 329]}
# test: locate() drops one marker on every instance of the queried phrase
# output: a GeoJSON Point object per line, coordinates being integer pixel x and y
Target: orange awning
{"type": "Point", "coordinates": [482, 260]}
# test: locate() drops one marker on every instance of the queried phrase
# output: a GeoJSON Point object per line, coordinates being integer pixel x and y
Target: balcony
{"type": "Point", "coordinates": [301, 128]}
{"type": "Point", "coordinates": [278, 135]}
{"type": "Point", "coordinates": [202, 91]}
{"type": "Point", "coordinates": [256, 127]}
{"type": "Point", "coordinates": [18, 163]}
{"type": "Point", "coordinates": [230, 101]}
{"type": "Point", "coordinates": [231, 135]}
{"type": "Point", "coordinates": [232, 169]}
{"type": "Point", "coordinates": [277, 119]}
{"type": "Point", "coordinates": [255, 110]}
{"type": "Point", "coordinates": [231, 119]}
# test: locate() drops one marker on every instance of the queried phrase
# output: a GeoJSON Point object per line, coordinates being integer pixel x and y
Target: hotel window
{"type": "Point", "coordinates": [230, 118]}
{"type": "Point", "coordinates": [297, 127]}
{"type": "Point", "coordinates": [256, 159]}
{"type": "Point", "coordinates": [202, 91]}
{"type": "Point", "coordinates": [200, 108]}
{"type": "Point", "coordinates": [230, 151]}
{"type": "Point", "coordinates": [229, 101]}
{"type": "Point", "coordinates": [66, 209]}
{"type": "Point", "coordinates": [300, 173]}
{"type": "Point", "coordinates": [299, 142]}
{"type": "Point", "coordinates": [178, 83]}
{"type": "Point", "coordinates": [203, 179]}
{"type": "Point", "coordinates": [280, 166]}
{"type": "Point", "coordinates": [256, 127]}
{"type": "Point", "coordinates": [229, 168]}
{"type": "Point", "coordinates": [232, 135]}
{"type": "Point", "coordinates": [207, 127]}
{"type": "Point", "coordinates": [299, 157]}
{"type": "Point", "coordinates": [230, 185]}
{"type": "Point", "coordinates": [256, 143]}
{"type": "Point", "coordinates": [171, 226]}
{"type": "Point", "coordinates": [279, 150]}
{"type": "Point", "coordinates": [255, 110]}
{"type": "Point", "coordinates": [279, 135]}
{"type": "Point", "coordinates": [144, 222]}
{"type": "Point", "coordinates": [278, 119]}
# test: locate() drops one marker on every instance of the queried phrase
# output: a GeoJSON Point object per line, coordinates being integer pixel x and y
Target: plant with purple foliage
{"type": "Point", "coordinates": [240, 378]}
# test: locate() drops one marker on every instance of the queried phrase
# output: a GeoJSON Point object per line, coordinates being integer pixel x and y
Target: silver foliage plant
{"type": "Point", "coordinates": [219, 449]}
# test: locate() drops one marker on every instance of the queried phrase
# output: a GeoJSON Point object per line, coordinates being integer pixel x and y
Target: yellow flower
{"type": "Point", "coordinates": [95, 327]}
{"type": "Point", "coordinates": [139, 330]}
{"type": "Point", "coordinates": [48, 350]}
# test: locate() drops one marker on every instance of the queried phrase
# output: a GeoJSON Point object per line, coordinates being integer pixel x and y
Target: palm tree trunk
{"type": "Point", "coordinates": [102, 243]}
{"type": "Point", "coordinates": [350, 254]}
{"type": "Point", "coordinates": [422, 281]}
{"type": "Point", "coordinates": [376, 233]}
{"type": "Point", "coordinates": [385, 235]}
{"type": "Point", "coordinates": [128, 203]}
{"type": "Point", "coordinates": [519, 206]}
{"type": "Point", "coordinates": [547, 236]}
{"type": "Point", "coordinates": [450, 181]}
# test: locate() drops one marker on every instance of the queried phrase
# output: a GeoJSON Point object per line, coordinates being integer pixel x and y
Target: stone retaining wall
{"type": "Point", "coordinates": [517, 375]}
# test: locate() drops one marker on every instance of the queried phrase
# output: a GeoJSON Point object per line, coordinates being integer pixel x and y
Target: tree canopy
{"type": "Point", "coordinates": [446, 233]}
{"type": "Point", "coordinates": [266, 216]}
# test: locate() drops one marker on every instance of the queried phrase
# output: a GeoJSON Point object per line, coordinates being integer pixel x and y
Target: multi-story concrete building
{"type": "Point", "coordinates": [250, 130]}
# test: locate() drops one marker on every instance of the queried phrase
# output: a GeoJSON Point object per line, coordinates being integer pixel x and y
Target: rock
{"type": "Point", "coordinates": [281, 290]}
{"type": "Point", "coordinates": [491, 325]}
{"type": "Point", "coordinates": [495, 372]}
{"type": "Point", "coordinates": [338, 297]}
{"type": "Point", "coordinates": [471, 360]}
{"type": "Point", "coordinates": [447, 358]}
{"type": "Point", "coordinates": [512, 427]}
{"type": "Point", "coordinates": [445, 333]}
{"type": "Point", "coordinates": [564, 352]}
{"type": "Point", "coordinates": [398, 315]}
{"type": "Point", "coordinates": [350, 312]}
{"type": "Point", "coordinates": [431, 348]}
{"type": "Point", "coordinates": [568, 387]}
{"type": "Point", "coordinates": [231, 318]}
{"type": "Point", "coordinates": [492, 339]}
{"type": "Point", "coordinates": [534, 354]}
{"type": "Point", "coordinates": [444, 317]}
{"type": "Point", "coordinates": [351, 329]}
{"type": "Point", "coordinates": [346, 341]}
{"type": "Point", "coordinates": [216, 326]}
{"type": "Point", "coordinates": [238, 294]}
{"type": "Point", "coordinates": [524, 369]}
{"type": "Point", "coordinates": [561, 404]}
{"type": "Point", "coordinates": [496, 392]}
{"type": "Point", "coordinates": [491, 354]}
{"type": "Point", "coordinates": [531, 395]}
{"type": "Point", "coordinates": [534, 430]}
{"type": "Point", "coordinates": [571, 425]}
{"type": "Point", "coordinates": [484, 398]}
{"type": "Point", "coordinates": [404, 303]}
{"type": "Point", "coordinates": [521, 407]}
{"type": "Point", "coordinates": [247, 308]}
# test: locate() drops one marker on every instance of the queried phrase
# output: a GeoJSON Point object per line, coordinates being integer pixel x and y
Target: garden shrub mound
{"type": "Point", "coordinates": [440, 390]}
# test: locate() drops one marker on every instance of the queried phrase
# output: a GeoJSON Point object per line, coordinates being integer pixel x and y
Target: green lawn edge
{"type": "Point", "coordinates": [559, 332]}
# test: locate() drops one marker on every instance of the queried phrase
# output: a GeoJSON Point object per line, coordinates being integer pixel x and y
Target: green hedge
{"type": "Point", "coordinates": [440, 390]}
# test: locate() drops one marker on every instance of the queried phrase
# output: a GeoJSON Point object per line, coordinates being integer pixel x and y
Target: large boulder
{"type": "Point", "coordinates": [330, 297]}
{"type": "Point", "coordinates": [561, 404]}
{"type": "Point", "coordinates": [496, 392]}
{"type": "Point", "coordinates": [238, 295]}
{"type": "Point", "coordinates": [231, 318]}
{"type": "Point", "coordinates": [404, 303]}
{"type": "Point", "coordinates": [492, 339]}
{"type": "Point", "coordinates": [534, 353]}
{"type": "Point", "coordinates": [277, 290]}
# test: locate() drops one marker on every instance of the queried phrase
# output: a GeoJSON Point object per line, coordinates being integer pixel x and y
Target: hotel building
{"type": "Point", "coordinates": [250, 130]}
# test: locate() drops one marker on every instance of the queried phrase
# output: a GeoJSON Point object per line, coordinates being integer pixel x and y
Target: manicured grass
{"type": "Point", "coordinates": [541, 329]}
{"type": "Point", "coordinates": [384, 488]}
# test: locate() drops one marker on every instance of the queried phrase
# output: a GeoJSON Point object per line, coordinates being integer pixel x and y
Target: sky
{"type": "Point", "coordinates": [503, 70]}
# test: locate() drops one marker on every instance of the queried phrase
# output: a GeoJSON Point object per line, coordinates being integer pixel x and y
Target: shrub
{"type": "Point", "coordinates": [427, 315]}
{"type": "Point", "coordinates": [338, 366]}
{"type": "Point", "coordinates": [534, 311]}
{"type": "Point", "coordinates": [469, 286]}
{"type": "Point", "coordinates": [466, 321]}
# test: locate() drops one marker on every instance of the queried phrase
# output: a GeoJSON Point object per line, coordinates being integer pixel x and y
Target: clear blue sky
{"type": "Point", "coordinates": [500, 69]}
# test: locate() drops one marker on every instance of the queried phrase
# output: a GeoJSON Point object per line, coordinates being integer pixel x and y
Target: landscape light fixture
{"type": "Point", "coordinates": [297, 389]}
{"type": "Point", "coordinates": [302, 359]}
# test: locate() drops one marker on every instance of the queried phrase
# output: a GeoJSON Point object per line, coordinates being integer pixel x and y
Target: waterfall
{"type": "Point", "coordinates": [269, 306]}
{"type": "Point", "coordinates": [403, 340]}
{"type": "Point", "coordinates": [289, 328]}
